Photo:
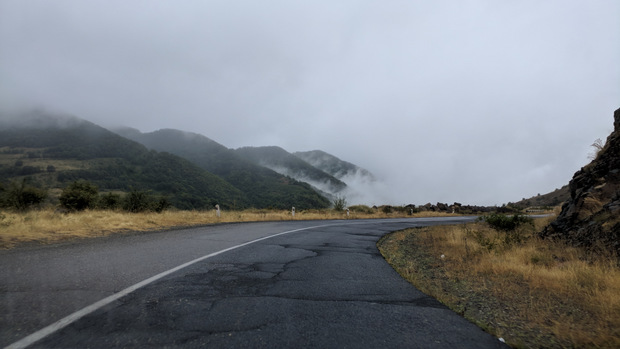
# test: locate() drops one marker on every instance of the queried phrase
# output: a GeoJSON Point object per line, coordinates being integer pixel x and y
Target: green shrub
{"type": "Point", "coordinates": [499, 221]}
{"type": "Point", "coordinates": [508, 229]}
{"type": "Point", "coordinates": [109, 201]}
{"type": "Point", "coordinates": [137, 201]}
{"type": "Point", "coordinates": [485, 241]}
{"type": "Point", "coordinates": [361, 209]}
{"type": "Point", "coordinates": [22, 196]}
{"type": "Point", "coordinates": [161, 204]}
{"type": "Point", "coordinates": [79, 196]}
{"type": "Point", "coordinates": [340, 204]}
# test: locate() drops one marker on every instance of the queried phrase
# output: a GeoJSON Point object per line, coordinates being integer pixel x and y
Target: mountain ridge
{"type": "Point", "coordinates": [264, 187]}
{"type": "Point", "coordinates": [58, 150]}
{"type": "Point", "coordinates": [283, 162]}
{"type": "Point", "coordinates": [333, 165]}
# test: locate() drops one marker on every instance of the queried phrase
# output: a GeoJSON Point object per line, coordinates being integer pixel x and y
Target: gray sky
{"type": "Point", "coordinates": [480, 102]}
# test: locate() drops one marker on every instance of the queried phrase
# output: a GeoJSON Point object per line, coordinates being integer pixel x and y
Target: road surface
{"type": "Point", "coordinates": [280, 284]}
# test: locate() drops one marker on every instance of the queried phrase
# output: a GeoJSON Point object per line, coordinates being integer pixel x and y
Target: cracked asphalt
{"type": "Point", "coordinates": [325, 287]}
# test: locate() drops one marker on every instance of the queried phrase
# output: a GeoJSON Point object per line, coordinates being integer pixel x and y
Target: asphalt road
{"type": "Point", "coordinates": [317, 284]}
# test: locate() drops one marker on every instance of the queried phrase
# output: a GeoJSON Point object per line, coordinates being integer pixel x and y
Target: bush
{"type": "Point", "coordinates": [137, 201]}
{"type": "Point", "coordinates": [505, 223]}
{"type": "Point", "coordinates": [481, 238]}
{"type": "Point", "coordinates": [22, 196]}
{"type": "Point", "coordinates": [387, 209]}
{"type": "Point", "coordinates": [508, 226]}
{"type": "Point", "coordinates": [340, 204]}
{"type": "Point", "coordinates": [161, 204]}
{"type": "Point", "coordinates": [109, 201]}
{"type": "Point", "coordinates": [361, 209]}
{"type": "Point", "coordinates": [79, 196]}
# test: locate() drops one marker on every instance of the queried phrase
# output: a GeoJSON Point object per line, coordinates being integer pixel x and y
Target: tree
{"type": "Point", "coordinates": [137, 201]}
{"type": "Point", "coordinates": [109, 201]}
{"type": "Point", "coordinates": [161, 204]}
{"type": "Point", "coordinates": [79, 196]}
{"type": "Point", "coordinates": [21, 196]}
{"type": "Point", "coordinates": [340, 203]}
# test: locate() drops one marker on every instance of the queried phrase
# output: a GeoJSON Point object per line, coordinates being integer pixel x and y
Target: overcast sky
{"type": "Point", "coordinates": [480, 102]}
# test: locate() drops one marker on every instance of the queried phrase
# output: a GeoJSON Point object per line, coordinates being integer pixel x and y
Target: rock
{"type": "Point", "coordinates": [442, 207]}
{"type": "Point", "coordinates": [591, 218]}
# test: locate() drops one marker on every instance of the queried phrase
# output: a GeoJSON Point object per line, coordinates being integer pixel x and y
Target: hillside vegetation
{"type": "Point", "coordinates": [263, 187]}
{"type": "Point", "coordinates": [333, 165]}
{"type": "Point", "coordinates": [283, 162]}
{"type": "Point", "coordinates": [54, 152]}
{"type": "Point", "coordinates": [189, 171]}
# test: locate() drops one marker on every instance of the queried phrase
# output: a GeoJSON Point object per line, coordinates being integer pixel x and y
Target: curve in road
{"type": "Point", "coordinates": [314, 285]}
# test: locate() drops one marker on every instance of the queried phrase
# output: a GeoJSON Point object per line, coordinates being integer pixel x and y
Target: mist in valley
{"type": "Point", "coordinates": [480, 102]}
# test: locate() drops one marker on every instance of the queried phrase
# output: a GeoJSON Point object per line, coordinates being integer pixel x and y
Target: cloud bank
{"type": "Point", "coordinates": [480, 102]}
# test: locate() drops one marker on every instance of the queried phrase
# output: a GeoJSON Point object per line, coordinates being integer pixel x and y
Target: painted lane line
{"type": "Point", "coordinates": [64, 322]}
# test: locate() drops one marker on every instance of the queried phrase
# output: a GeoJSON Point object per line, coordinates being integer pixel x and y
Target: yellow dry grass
{"type": "Point", "coordinates": [48, 225]}
{"type": "Point", "coordinates": [534, 294]}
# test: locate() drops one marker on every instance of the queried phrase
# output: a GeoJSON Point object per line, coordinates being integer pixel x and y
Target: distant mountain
{"type": "Point", "coordinates": [262, 186]}
{"type": "Point", "coordinates": [285, 163]}
{"type": "Point", "coordinates": [55, 150]}
{"type": "Point", "coordinates": [362, 186]}
{"type": "Point", "coordinates": [333, 165]}
{"type": "Point", "coordinates": [554, 198]}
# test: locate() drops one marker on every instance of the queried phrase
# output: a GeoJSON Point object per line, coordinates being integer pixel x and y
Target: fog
{"type": "Point", "coordinates": [480, 102]}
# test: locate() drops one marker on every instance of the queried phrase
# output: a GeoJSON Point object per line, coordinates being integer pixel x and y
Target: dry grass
{"type": "Point", "coordinates": [533, 294]}
{"type": "Point", "coordinates": [49, 226]}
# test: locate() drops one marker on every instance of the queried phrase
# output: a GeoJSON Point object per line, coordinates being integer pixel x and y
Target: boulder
{"type": "Point", "coordinates": [591, 217]}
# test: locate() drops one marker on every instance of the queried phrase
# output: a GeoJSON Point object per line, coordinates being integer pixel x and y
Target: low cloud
{"type": "Point", "coordinates": [480, 102]}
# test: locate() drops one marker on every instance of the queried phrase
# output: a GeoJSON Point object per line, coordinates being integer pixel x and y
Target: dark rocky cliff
{"type": "Point", "coordinates": [591, 218]}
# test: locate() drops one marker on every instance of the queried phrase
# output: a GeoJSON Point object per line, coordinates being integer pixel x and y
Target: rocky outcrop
{"type": "Point", "coordinates": [457, 208]}
{"type": "Point", "coordinates": [591, 218]}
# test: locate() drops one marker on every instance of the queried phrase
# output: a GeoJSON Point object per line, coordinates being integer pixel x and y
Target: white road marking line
{"type": "Point", "coordinates": [64, 322]}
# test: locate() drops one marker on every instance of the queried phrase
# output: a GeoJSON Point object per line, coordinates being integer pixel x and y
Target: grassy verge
{"type": "Point", "coordinates": [49, 225]}
{"type": "Point", "coordinates": [530, 292]}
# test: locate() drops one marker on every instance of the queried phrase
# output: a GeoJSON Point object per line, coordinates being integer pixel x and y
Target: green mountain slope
{"type": "Point", "coordinates": [263, 187]}
{"type": "Point", "coordinates": [333, 165]}
{"type": "Point", "coordinates": [56, 150]}
{"type": "Point", "coordinates": [290, 165]}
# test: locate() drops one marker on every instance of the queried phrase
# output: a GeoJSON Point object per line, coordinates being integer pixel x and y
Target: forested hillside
{"type": "Point", "coordinates": [263, 187]}
{"type": "Point", "coordinates": [53, 151]}
{"type": "Point", "coordinates": [288, 164]}
{"type": "Point", "coordinates": [333, 165]}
